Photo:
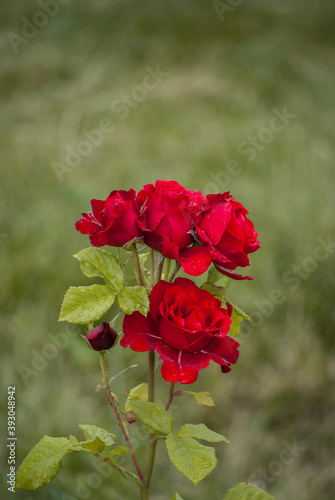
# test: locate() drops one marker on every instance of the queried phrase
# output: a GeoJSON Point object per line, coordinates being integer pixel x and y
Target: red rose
{"type": "Point", "coordinates": [113, 222]}
{"type": "Point", "coordinates": [227, 237]}
{"type": "Point", "coordinates": [187, 326]}
{"type": "Point", "coordinates": [102, 337]}
{"type": "Point", "coordinates": [168, 213]}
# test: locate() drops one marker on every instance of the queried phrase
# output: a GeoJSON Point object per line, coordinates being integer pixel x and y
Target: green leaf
{"type": "Point", "coordinates": [244, 491]}
{"type": "Point", "coordinates": [176, 496]}
{"type": "Point", "coordinates": [120, 450]}
{"type": "Point", "coordinates": [194, 460]}
{"type": "Point", "coordinates": [85, 304]}
{"type": "Point", "coordinates": [215, 277]}
{"type": "Point", "coordinates": [98, 262]}
{"type": "Point", "coordinates": [138, 393]}
{"type": "Point", "coordinates": [95, 445]}
{"type": "Point", "coordinates": [156, 419]}
{"type": "Point", "coordinates": [92, 432]}
{"type": "Point", "coordinates": [200, 431]}
{"type": "Point", "coordinates": [202, 398]}
{"type": "Point", "coordinates": [43, 462]}
{"type": "Point", "coordinates": [134, 298]}
{"type": "Point", "coordinates": [217, 291]}
{"type": "Point", "coordinates": [237, 316]}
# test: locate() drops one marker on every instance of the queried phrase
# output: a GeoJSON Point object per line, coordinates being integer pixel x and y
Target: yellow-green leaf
{"type": "Point", "coordinates": [194, 460]}
{"type": "Point", "coordinates": [200, 431]}
{"type": "Point", "coordinates": [95, 262]}
{"type": "Point", "coordinates": [134, 298]}
{"type": "Point", "coordinates": [244, 491]}
{"type": "Point", "coordinates": [138, 393]}
{"type": "Point", "coordinates": [156, 419]}
{"type": "Point", "coordinates": [43, 462]}
{"type": "Point", "coordinates": [85, 304]}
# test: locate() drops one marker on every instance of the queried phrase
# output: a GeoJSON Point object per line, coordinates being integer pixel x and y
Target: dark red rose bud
{"type": "Point", "coordinates": [102, 337]}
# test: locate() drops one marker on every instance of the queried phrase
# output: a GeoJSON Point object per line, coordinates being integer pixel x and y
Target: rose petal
{"type": "Point", "coordinates": [172, 335]}
{"type": "Point", "coordinates": [139, 332]}
{"type": "Point", "coordinates": [179, 366]}
{"type": "Point", "coordinates": [223, 350]}
{"type": "Point", "coordinates": [156, 298]}
{"type": "Point", "coordinates": [195, 260]}
{"type": "Point", "coordinates": [228, 273]}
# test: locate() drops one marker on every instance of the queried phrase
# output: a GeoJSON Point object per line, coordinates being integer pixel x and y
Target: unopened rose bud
{"type": "Point", "coordinates": [102, 337]}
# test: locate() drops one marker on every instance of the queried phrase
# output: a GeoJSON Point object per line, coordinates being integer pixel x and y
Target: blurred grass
{"type": "Point", "coordinates": [225, 79]}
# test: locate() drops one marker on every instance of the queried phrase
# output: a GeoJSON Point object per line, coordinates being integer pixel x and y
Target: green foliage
{"type": "Point", "coordinates": [202, 398]}
{"type": "Point", "coordinates": [216, 278]}
{"type": "Point", "coordinates": [194, 460]}
{"type": "Point", "coordinates": [200, 431]}
{"type": "Point", "coordinates": [134, 298]}
{"type": "Point", "coordinates": [95, 262]}
{"type": "Point", "coordinates": [217, 291]}
{"type": "Point", "coordinates": [85, 304]}
{"type": "Point", "coordinates": [43, 462]}
{"type": "Point", "coordinates": [92, 432]}
{"type": "Point", "coordinates": [237, 316]}
{"type": "Point", "coordinates": [138, 393]}
{"type": "Point", "coordinates": [120, 450]}
{"type": "Point", "coordinates": [156, 419]}
{"type": "Point", "coordinates": [244, 491]}
{"type": "Point", "coordinates": [176, 496]}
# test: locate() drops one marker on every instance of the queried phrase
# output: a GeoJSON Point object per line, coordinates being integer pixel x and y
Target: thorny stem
{"type": "Point", "coordinates": [171, 394]}
{"type": "Point", "coordinates": [117, 414]}
{"type": "Point", "coordinates": [137, 265]}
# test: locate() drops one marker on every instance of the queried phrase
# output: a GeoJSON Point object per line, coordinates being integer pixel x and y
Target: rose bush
{"type": "Point", "coordinates": [187, 326]}
{"type": "Point", "coordinates": [226, 235]}
{"type": "Point", "coordinates": [113, 221]}
{"type": "Point", "coordinates": [168, 214]}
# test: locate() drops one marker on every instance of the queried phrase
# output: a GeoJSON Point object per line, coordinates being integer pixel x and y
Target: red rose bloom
{"type": "Point", "coordinates": [102, 337]}
{"type": "Point", "coordinates": [187, 326]}
{"type": "Point", "coordinates": [227, 237]}
{"type": "Point", "coordinates": [168, 213]}
{"type": "Point", "coordinates": [113, 222]}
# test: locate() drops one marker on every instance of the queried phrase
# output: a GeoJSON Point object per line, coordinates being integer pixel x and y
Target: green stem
{"type": "Point", "coordinates": [176, 269]}
{"type": "Point", "coordinates": [159, 270]}
{"type": "Point", "coordinates": [152, 268]}
{"type": "Point", "coordinates": [137, 265]}
{"type": "Point", "coordinates": [167, 269]}
{"type": "Point", "coordinates": [171, 394]}
{"type": "Point", "coordinates": [150, 462]}
{"type": "Point", "coordinates": [117, 414]}
{"type": "Point", "coordinates": [151, 376]}
{"type": "Point", "coordinates": [118, 467]}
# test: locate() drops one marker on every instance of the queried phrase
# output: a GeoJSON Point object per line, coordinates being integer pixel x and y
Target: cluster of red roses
{"type": "Point", "coordinates": [182, 224]}
{"type": "Point", "coordinates": [187, 326]}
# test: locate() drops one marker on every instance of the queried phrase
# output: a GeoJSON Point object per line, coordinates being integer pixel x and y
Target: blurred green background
{"type": "Point", "coordinates": [227, 72]}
